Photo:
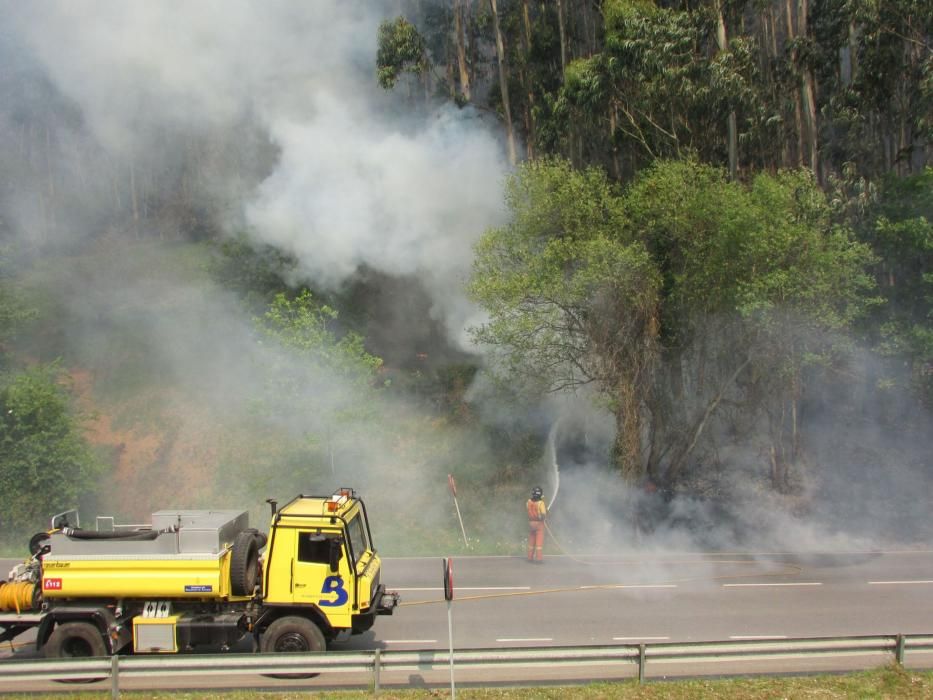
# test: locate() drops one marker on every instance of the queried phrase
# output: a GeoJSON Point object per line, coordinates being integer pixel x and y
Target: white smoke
{"type": "Point", "coordinates": [355, 184]}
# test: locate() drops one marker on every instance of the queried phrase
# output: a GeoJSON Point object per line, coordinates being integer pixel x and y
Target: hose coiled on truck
{"type": "Point", "coordinates": [131, 535]}
{"type": "Point", "coordinates": [17, 596]}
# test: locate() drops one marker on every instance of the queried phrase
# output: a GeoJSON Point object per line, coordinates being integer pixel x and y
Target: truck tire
{"type": "Point", "coordinates": [75, 640]}
{"type": "Point", "coordinates": [244, 564]}
{"type": "Point", "coordinates": [261, 537]}
{"type": "Point", "coordinates": [292, 634]}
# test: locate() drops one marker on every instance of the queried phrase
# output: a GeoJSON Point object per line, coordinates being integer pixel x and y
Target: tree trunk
{"type": "Point", "coordinates": [783, 156]}
{"type": "Point", "coordinates": [626, 449]}
{"type": "Point", "coordinates": [613, 125]}
{"type": "Point", "coordinates": [722, 41]}
{"type": "Point", "coordinates": [504, 83]}
{"type": "Point", "coordinates": [589, 29]}
{"type": "Point", "coordinates": [461, 51]}
{"type": "Point", "coordinates": [693, 437]}
{"type": "Point", "coordinates": [563, 38]}
{"type": "Point", "coordinates": [530, 127]}
{"type": "Point", "coordinates": [808, 95]}
{"type": "Point", "coordinates": [798, 109]}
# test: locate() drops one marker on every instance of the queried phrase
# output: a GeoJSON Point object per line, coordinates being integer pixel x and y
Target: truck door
{"type": "Point", "coordinates": [330, 589]}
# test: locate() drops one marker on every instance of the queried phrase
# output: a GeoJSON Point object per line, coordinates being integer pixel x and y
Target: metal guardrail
{"type": "Point", "coordinates": [376, 662]}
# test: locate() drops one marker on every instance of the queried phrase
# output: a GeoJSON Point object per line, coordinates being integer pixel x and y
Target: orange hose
{"type": "Point", "coordinates": [16, 596]}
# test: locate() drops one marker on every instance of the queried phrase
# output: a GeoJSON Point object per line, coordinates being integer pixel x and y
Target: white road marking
{"type": "Point", "coordinates": [757, 636]}
{"type": "Point", "coordinates": [634, 585]}
{"type": "Point", "coordinates": [750, 585]}
{"type": "Point", "coordinates": [644, 639]}
{"type": "Point", "coordinates": [409, 641]}
{"type": "Point", "coordinates": [894, 583]}
{"type": "Point", "coordinates": [695, 555]}
{"type": "Point", "coordinates": [468, 588]}
{"type": "Point", "coordinates": [526, 639]}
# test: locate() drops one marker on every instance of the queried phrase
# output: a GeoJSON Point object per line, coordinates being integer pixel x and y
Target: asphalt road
{"type": "Point", "coordinates": [641, 597]}
{"type": "Point", "coordinates": [506, 602]}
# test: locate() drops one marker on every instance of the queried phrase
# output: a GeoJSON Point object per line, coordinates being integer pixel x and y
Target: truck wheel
{"type": "Point", "coordinates": [73, 640]}
{"type": "Point", "coordinates": [244, 564]}
{"type": "Point", "coordinates": [292, 634]}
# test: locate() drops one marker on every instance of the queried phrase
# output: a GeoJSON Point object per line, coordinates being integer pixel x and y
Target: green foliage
{"type": "Point", "coordinates": [727, 248]}
{"type": "Point", "coordinates": [319, 393]}
{"type": "Point", "coordinates": [45, 464]}
{"type": "Point", "coordinates": [15, 308]}
{"type": "Point", "coordinates": [662, 78]}
{"type": "Point", "coordinates": [886, 100]}
{"type": "Point", "coordinates": [255, 271]}
{"type": "Point", "coordinates": [571, 300]}
{"type": "Point", "coordinates": [302, 326]}
{"type": "Point", "coordinates": [319, 385]}
{"type": "Point", "coordinates": [402, 49]}
{"type": "Point", "coordinates": [14, 312]}
{"type": "Point", "coordinates": [559, 279]}
{"type": "Point", "coordinates": [899, 228]}
{"type": "Point", "coordinates": [753, 277]}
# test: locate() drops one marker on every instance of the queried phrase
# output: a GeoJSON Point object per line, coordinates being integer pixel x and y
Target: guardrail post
{"type": "Point", "coordinates": [115, 677]}
{"type": "Point", "coordinates": [377, 667]}
{"type": "Point", "coordinates": [899, 649]}
{"type": "Point", "coordinates": [641, 663]}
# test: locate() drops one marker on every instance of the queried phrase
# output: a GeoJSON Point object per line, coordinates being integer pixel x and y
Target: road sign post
{"type": "Point", "coordinates": [449, 596]}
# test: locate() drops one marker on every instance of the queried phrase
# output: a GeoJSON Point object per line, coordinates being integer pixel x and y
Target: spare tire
{"type": "Point", "coordinates": [244, 564]}
{"type": "Point", "coordinates": [261, 537]}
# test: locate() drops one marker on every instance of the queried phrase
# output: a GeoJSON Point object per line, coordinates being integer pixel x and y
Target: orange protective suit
{"type": "Point", "coordinates": [537, 512]}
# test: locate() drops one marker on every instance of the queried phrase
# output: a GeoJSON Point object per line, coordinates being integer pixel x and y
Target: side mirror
{"type": "Point", "coordinates": [335, 553]}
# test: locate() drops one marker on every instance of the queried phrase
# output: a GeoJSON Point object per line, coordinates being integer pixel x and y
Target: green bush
{"type": "Point", "coordinates": [46, 466]}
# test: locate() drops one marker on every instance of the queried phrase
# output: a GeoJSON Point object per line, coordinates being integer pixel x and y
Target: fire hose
{"type": "Point", "coordinates": [16, 595]}
{"type": "Point", "coordinates": [564, 551]}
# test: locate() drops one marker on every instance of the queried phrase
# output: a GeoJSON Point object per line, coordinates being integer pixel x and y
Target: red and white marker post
{"type": "Point", "coordinates": [452, 486]}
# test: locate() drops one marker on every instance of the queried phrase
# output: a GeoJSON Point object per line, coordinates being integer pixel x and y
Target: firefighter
{"type": "Point", "coordinates": [537, 512]}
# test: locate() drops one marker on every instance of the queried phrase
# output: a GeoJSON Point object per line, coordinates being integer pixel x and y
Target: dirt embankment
{"type": "Point", "coordinates": [168, 463]}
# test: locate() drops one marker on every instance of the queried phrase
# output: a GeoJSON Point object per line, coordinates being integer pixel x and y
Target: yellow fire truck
{"type": "Point", "coordinates": [200, 578]}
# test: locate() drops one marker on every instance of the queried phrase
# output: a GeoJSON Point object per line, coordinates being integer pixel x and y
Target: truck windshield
{"type": "Point", "coordinates": [357, 534]}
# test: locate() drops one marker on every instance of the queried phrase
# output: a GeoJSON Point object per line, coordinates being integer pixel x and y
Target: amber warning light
{"type": "Point", "coordinates": [338, 499]}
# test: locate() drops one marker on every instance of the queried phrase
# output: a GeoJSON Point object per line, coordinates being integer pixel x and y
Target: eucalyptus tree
{"type": "Point", "coordinates": [899, 228]}
{"type": "Point", "coordinates": [502, 61]}
{"type": "Point", "coordinates": [571, 300]}
{"type": "Point", "coordinates": [874, 63]}
{"type": "Point", "coordinates": [661, 88]}
{"type": "Point", "coordinates": [402, 49]}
